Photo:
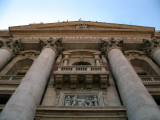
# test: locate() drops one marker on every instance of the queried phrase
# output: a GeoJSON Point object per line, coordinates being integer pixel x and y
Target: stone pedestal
{"type": "Point", "coordinates": [22, 104]}
{"type": "Point", "coordinates": [5, 56]}
{"type": "Point", "coordinates": [138, 102]}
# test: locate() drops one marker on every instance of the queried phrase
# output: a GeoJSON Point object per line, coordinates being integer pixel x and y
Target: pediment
{"type": "Point", "coordinates": [81, 25]}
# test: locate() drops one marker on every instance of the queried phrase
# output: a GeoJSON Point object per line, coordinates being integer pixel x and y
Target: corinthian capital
{"type": "Point", "coordinates": [151, 45]}
{"type": "Point", "coordinates": [55, 44]}
{"type": "Point", "coordinates": [11, 45]}
{"type": "Point", "coordinates": [107, 45]}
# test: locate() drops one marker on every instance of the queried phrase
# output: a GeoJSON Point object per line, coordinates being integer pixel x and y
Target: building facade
{"type": "Point", "coordinates": [79, 70]}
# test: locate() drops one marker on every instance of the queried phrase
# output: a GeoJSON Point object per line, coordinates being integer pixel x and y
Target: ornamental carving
{"type": "Point", "coordinates": [151, 45]}
{"type": "Point", "coordinates": [81, 25]}
{"type": "Point", "coordinates": [55, 44]}
{"type": "Point", "coordinates": [81, 100]}
{"type": "Point", "coordinates": [12, 45]}
{"type": "Point", "coordinates": [112, 43]}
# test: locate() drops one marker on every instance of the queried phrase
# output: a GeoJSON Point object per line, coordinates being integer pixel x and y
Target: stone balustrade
{"type": "Point", "coordinates": [17, 78]}
{"type": "Point", "coordinates": [150, 78]}
{"type": "Point", "coordinates": [11, 78]}
{"type": "Point", "coordinates": [81, 70]}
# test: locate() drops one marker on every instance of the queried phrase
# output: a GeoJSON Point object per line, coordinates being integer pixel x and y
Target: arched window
{"type": "Point", "coordinates": [81, 63]}
{"type": "Point", "coordinates": [142, 67]}
{"type": "Point", "coordinates": [21, 67]}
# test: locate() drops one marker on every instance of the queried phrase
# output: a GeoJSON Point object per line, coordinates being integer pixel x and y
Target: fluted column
{"type": "Point", "coordinates": [152, 48]}
{"type": "Point", "coordinates": [138, 102]}
{"type": "Point", "coordinates": [8, 48]}
{"type": "Point", "coordinates": [22, 104]}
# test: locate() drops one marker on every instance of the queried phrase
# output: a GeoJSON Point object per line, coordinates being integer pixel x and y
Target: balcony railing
{"type": "Point", "coordinates": [81, 70]}
{"type": "Point", "coordinates": [11, 78]}
{"type": "Point", "coordinates": [150, 78]}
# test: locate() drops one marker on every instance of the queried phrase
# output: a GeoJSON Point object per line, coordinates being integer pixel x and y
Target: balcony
{"type": "Point", "coordinates": [150, 78]}
{"type": "Point", "coordinates": [81, 69]}
{"type": "Point", "coordinates": [81, 76]}
{"type": "Point", "coordinates": [9, 83]}
{"type": "Point", "coordinates": [152, 83]}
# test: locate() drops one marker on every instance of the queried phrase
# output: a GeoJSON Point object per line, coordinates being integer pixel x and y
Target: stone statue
{"type": "Point", "coordinates": [74, 100]}
{"type": "Point", "coordinates": [81, 102]}
{"type": "Point", "coordinates": [90, 102]}
{"type": "Point", "coordinates": [95, 101]}
{"type": "Point", "coordinates": [86, 102]}
{"type": "Point", "coordinates": [68, 101]}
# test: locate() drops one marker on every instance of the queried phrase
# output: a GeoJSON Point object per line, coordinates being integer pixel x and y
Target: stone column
{"type": "Point", "coordinates": [8, 50]}
{"type": "Point", "coordinates": [152, 48]}
{"type": "Point", "coordinates": [22, 104]}
{"type": "Point", "coordinates": [138, 102]}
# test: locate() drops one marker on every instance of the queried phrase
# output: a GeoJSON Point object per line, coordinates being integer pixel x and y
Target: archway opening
{"type": "Point", "coordinates": [142, 67]}
{"type": "Point", "coordinates": [21, 67]}
{"type": "Point", "coordinates": [81, 63]}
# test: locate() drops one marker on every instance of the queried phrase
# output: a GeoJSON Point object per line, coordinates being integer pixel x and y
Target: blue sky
{"type": "Point", "coordinates": [131, 12]}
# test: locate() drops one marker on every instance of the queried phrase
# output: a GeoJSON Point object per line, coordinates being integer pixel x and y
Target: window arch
{"type": "Point", "coordinates": [21, 67]}
{"type": "Point", "coordinates": [81, 63]}
{"type": "Point", "coordinates": [142, 67]}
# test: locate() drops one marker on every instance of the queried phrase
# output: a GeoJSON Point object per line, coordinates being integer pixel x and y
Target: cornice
{"type": "Point", "coordinates": [85, 25]}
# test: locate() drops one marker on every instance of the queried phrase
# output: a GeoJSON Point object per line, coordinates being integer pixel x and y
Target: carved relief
{"type": "Point", "coordinates": [81, 100]}
{"type": "Point", "coordinates": [81, 25]}
{"type": "Point", "coordinates": [107, 45]}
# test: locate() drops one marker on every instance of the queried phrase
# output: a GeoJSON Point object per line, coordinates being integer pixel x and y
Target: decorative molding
{"type": "Point", "coordinates": [112, 43]}
{"type": "Point", "coordinates": [134, 53]}
{"type": "Point", "coordinates": [81, 25]}
{"type": "Point", "coordinates": [55, 44]}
